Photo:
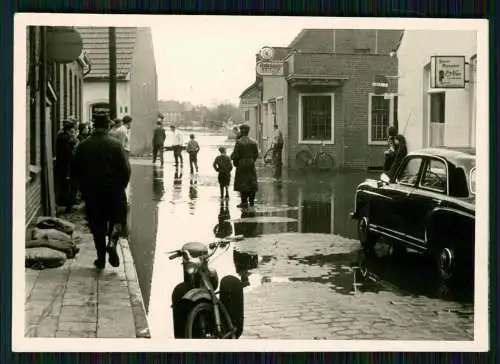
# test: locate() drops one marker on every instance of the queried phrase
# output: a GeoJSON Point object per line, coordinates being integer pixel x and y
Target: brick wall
{"type": "Point", "coordinates": [351, 147]}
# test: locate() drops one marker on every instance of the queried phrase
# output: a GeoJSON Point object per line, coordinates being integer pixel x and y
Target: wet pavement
{"type": "Point", "coordinates": [304, 275]}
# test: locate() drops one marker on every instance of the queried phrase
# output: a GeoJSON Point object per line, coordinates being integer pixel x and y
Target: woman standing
{"type": "Point", "coordinates": [244, 156]}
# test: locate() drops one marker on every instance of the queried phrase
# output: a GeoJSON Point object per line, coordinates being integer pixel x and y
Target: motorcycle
{"type": "Point", "coordinates": [199, 310]}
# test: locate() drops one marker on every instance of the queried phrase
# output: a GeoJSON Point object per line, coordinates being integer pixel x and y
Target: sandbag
{"type": "Point", "coordinates": [41, 258]}
{"type": "Point", "coordinates": [40, 234]}
{"type": "Point", "coordinates": [49, 222]}
{"type": "Point", "coordinates": [67, 247]}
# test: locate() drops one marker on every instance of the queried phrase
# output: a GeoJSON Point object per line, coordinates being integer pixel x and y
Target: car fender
{"type": "Point", "coordinates": [439, 212]}
{"type": "Point", "coordinates": [196, 294]}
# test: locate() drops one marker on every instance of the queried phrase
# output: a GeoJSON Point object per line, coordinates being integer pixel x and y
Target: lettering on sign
{"type": "Point", "coordinates": [269, 68]}
{"type": "Point", "coordinates": [447, 72]}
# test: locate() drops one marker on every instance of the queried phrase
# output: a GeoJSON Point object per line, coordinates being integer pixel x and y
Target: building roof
{"type": "Point", "coordinates": [250, 88]}
{"type": "Point", "coordinates": [96, 44]}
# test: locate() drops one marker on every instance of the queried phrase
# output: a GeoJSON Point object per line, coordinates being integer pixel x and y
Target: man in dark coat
{"type": "Point", "coordinates": [66, 143]}
{"type": "Point", "coordinates": [102, 172]}
{"type": "Point", "coordinates": [158, 141]}
{"type": "Point", "coordinates": [244, 156]}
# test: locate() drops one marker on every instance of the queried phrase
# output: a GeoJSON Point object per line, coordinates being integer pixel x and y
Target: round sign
{"type": "Point", "coordinates": [267, 53]}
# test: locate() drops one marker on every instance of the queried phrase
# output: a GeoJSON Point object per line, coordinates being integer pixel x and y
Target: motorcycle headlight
{"type": "Point", "coordinates": [189, 268]}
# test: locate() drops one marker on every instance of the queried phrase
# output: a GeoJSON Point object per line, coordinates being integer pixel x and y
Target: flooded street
{"type": "Point", "coordinates": [304, 275]}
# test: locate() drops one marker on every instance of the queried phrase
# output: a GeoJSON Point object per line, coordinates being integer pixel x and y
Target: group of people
{"type": "Point", "coordinates": [95, 163]}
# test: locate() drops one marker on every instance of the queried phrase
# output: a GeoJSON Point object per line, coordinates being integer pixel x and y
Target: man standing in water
{"type": "Point", "coordinates": [177, 146]}
{"type": "Point", "coordinates": [244, 156]}
{"type": "Point", "coordinates": [158, 141]}
{"type": "Point", "coordinates": [102, 173]}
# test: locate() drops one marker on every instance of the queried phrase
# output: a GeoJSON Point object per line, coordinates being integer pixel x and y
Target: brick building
{"type": "Point", "coordinates": [137, 84]}
{"type": "Point", "coordinates": [327, 94]}
{"type": "Point", "coordinates": [55, 67]}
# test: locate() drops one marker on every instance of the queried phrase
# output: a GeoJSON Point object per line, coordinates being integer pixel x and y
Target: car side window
{"type": "Point", "coordinates": [408, 175]}
{"type": "Point", "coordinates": [434, 176]}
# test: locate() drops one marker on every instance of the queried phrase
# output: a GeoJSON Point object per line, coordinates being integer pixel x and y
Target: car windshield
{"type": "Point", "coordinates": [472, 180]}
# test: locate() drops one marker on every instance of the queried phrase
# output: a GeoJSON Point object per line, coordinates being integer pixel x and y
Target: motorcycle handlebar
{"type": "Point", "coordinates": [175, 255]}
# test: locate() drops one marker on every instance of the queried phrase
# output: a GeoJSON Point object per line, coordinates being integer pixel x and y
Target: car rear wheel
{"type": "Point", "coordinates": [445, 260]}
{"type": "Point", "coordinates": [366, 237]}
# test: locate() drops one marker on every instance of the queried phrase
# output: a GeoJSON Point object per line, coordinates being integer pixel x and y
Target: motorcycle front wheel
{"type": "Point", "coordinates": [200, 322]}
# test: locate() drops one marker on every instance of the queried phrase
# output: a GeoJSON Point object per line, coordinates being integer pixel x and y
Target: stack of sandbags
{"type": "Point", "coordinates": [50, 243]}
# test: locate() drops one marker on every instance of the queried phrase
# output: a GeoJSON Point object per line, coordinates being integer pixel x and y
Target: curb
{"type": "Point", "coordinates": [136, 302]}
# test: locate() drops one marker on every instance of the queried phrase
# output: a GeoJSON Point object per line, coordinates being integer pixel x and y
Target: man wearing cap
{"type": "Point", "coordinates": [102, 172]}
{"type": "Point", "coordinates": [66, 143]}
{"type": "Point", "coordinates": [244, 156]}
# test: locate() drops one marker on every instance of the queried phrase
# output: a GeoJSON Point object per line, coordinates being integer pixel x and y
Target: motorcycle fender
{"type": "Point", "coordinates": [197, 294]}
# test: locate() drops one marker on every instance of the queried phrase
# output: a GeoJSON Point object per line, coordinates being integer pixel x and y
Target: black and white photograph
{"type": "Point", "coordinates": [266, 183]}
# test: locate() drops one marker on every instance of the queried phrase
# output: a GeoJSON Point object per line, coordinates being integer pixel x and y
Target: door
{"type": "Point", "coordinates": [432, 187]}
{"type": "Point", "coordinates": [393, 208]}
{"type": "Point", "coordinates": [283, 127]}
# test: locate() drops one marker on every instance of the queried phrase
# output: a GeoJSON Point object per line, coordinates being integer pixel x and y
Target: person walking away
{"type": "Point", "coordinates": [390, 152]}
{"type": "Point", "coordinates": [244, 155]}
{"type": "Point", "coordinates": [277, 146]}
{"type": "Point", "coordinates": [102, 173]}
{"type": "Point", "coordinates": [193, 148]}
{"type": "Point", "coordinates": [177, 146]}
{"type": "Point", "coordinates": [66, 144]}
{"type": "Point", "coordinates": [158, 141]}
{"type": "Point", "coordinates": [401, 151]}
{"type": "Point", "coordinates": [222, 165]}
{"type": "Point", "coordinates": [83, 132]}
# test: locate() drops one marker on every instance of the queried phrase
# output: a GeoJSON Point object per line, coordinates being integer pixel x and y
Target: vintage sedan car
{"type": "Point", "coordinates": [428, 205]}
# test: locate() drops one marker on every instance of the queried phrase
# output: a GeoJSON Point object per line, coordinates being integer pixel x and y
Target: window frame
{"type": "Point", "coordinates": [402, 167]}
{"type": "Point", "coordinates": [424, 169]}
{"type": "Point", "coordinates": [392, 96]}
{"type": "Point", "coordinates": [301, 121]}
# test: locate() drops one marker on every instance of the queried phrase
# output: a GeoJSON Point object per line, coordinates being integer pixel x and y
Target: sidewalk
{"type": "Point", "coordinates": [76, 300]}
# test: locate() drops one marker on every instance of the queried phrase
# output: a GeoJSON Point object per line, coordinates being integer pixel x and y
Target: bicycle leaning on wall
{"type": "Point", "coordinates": [305, 158]}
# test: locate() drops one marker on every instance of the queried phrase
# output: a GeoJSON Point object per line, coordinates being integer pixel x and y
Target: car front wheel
{"type": "Point", "coordinates": [366, 237]}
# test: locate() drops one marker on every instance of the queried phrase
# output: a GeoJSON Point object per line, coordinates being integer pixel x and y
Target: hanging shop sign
{"type": "Point", "coordinates": [380, 85]}
{"type": "Point", "coordinates": [64, 44]}
{"type": "Point", "coordinates": [447, 72]}
{"type": "Point", "coordinates": [269, 68]}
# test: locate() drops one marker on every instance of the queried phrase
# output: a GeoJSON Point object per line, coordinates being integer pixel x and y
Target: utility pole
{"type": "Point", "coordinates": [112, 73]}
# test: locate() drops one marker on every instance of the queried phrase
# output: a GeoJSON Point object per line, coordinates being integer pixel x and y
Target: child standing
{"type": "Point", "coordinates": [222, 164]}
{"type": "Point", "coordinates": [193, 148]}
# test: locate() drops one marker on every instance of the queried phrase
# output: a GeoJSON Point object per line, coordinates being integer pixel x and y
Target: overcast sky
{"type": "Point", "coordinates": [207, 60]}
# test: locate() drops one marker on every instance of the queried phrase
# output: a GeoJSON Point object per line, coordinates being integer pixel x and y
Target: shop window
{"type": "Point", "coordinates": [382, 113]}
{"type": "Point", "coordinates": [125, 109]}
{"type": "Point", "coordinates": [70, 93]}
{"type": "Point", "coordinates": [247, 115]}
{"type": "Point", "coordinates": [65, 91]}
{"type": "Point", "coordinates": [75, 86]}
{"type": "Point", "coordinates": [316, 117]}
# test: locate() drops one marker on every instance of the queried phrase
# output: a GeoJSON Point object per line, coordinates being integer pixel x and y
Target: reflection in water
{"type": "Point", "coordinates": [243, 263]}
{"type": "Point", "coordinates": [246, 228]}
{"type": "Point", "coordinates": [223, 228]}
{"type": "Point", "coordinates": [412, 272]}
{"type": "Point", "coordinates": [177, 191]}
{"type": "Point", "coordinates": [193, 192]}
{"type": "Point", "coordinates": [158, 185]}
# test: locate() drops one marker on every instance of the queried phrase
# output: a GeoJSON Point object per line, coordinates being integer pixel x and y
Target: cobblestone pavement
{"type": "Point", "coordinates": [75, 300]}
{"type": "Point", "coordinates": [304, 288]}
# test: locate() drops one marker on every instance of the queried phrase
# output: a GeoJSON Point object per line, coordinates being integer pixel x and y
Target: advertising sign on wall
{"type": "Point", "coordinates": [447, 71]}
{"type": "Point", "coordinates": [269, 68]}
